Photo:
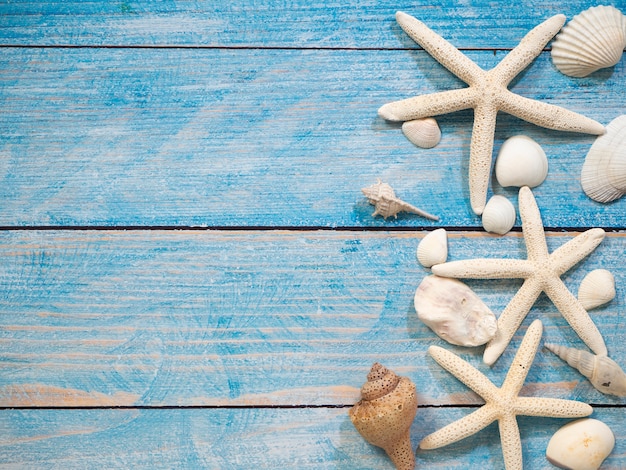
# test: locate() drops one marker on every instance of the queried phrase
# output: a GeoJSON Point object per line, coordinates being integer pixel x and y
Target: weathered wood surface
{"type": "Point", "coordinates": [243, 348]}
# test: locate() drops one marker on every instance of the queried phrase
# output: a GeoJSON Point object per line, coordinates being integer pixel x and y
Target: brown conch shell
{"type": "Point", "coordinates": [385, 413]}
{"type": "Point", "coordinates": [384, 199]}
{"type": "Point", "coordinates": [603, 372]}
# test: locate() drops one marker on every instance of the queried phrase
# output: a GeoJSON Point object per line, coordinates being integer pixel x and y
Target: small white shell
{"type": "Point", "coordinates": [454, 312]}
{"type": "Point", "coordinates": [424, 133]}
{"type": "Point", "coordinates": [521, 162]}
{"type": "Point", "coordinates": [498, 215]}
{"type": "Point", "coordinates": [592, 40]}
{"type": "Point", "coordinates": [581, 445]}
{"type": "Point", "coordinates": [433, 249]}
{"type": "Point", "coordinates": [597, 288]}
{"type": "Point", "coordinates": [384, 199]}
{"type": "Point", "coordinates": [603, 176]}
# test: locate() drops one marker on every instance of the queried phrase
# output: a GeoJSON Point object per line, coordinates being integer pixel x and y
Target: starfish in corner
{"type": "Point", "coordinates": [502, 404]}
{"type": "Point", "coordinates": [541, 272]}
{"type": "Point", "coordinates": [487, 94]}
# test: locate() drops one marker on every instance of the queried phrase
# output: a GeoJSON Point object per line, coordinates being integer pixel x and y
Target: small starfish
{"type": "Point", "coordinates": [541, 272]}
{"type": "Point", "coordinates": [487, 94]}
{"type": "Point", "coordinates": [502, 404]}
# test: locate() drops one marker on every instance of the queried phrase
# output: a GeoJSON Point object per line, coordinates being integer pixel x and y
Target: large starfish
{"type": "Point", "coordinates": [541, 272]}
{"type": "Point", "coordinates": [487, 94]}
{"type": "Point", "coordinates": [502, 404]}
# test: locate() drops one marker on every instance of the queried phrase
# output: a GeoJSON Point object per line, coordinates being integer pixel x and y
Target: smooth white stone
{"type": "Point", "coordinates": [581, 445]}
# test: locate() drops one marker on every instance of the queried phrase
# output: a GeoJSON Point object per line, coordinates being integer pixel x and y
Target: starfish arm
{"type": "Point", "coordinates": [528, 49]}
{"type": "Point", "coordinates": [578, 248]}
{"type": "Point", "coordinates": [522, 361]}
{"type": "Point", "coordinates": [460, 429]}
{"type": "Point", "coordinates": [481, 148]}
{"type": "Point", "coordinates": [510, 319]}
{"type": "Point", "coordinates": [551, 407]}
{"type": "Point", "coordinates": [532, 225]}
{"type": "Point", "coordinates": [548, 115]}
{"type": "Point", "coordinates": [465, 372]}
{"type": "Point", "coordinates": [432, 104]}
{"type": "Point", "coordinates": [576, 315]}
{"type": "Point", "coordinates": [485, 268]}
{"type": "Point", "coordinates": [444, 52]}
{"type": "Point", "coordinates": [511, 442]}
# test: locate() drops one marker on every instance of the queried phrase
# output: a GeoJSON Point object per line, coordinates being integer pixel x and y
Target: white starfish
{"type": "Point", "coordinates": [541, 272]}
{"type": "Point", "coordinates": [487, 94]}
{"type": "Point", "coordinates": [502, 404]}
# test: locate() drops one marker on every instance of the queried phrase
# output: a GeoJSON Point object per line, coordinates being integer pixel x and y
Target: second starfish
{"type": "Point", "coordinates": [487, 94]}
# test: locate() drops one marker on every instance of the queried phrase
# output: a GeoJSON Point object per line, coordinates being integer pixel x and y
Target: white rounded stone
{"type": "Point", "coordinates": [581, 445]}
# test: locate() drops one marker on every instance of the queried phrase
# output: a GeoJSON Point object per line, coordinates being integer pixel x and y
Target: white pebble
{"type": "Point", "coordinates": [581, 445]}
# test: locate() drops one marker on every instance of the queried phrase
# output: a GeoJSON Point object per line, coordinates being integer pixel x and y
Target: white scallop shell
{"type": "Point", "coordinates": [582, 444]}
{"type": "Point", "coordinates": [424, 133]}
{"type": "Point", "coordinates": [521, 162]}
{"type": "Point", "coordinates": [592, 40]}
{"type": "Point", "coordinates": [498, 215]}
{"type": "Point", "coordinates": [433, 249]}
{"type": "Point", "coordinates": [454, 312]}
{"type": "Point", "coordinates": [603, 176]}
{"type": "Point", "coordinates": [597, 288]}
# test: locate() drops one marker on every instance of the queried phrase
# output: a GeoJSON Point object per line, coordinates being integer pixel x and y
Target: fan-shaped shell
{"type": "Point", "coordinates": [521, 162]}
{"type": "Point", "coordinates": [424, 133]}
{"type": "Point", "coordinates": [592, 40]}
{"type": "Point", "coordinates": [597, 288]}
{"type": "Point", "coordinates": [498, 215]}
{"type": "Point", "coordinates": [433, 249]}
{"type": "Point", "coordinates": [603, 176]}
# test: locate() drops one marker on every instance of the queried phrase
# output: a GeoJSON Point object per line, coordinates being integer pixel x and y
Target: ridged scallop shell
{"type": "Point", "coordinates": [454, 312]}
{"type": "Point", "coordinates": [498, 215]}
{"type": "Point", "coordinates": [603, 176]}
{"type": "Point", "coordinates": [384, 199]}
{"type": "Point", "coordinates": [433, 249]}
{"type": "Point", "coordinates": [385, 413]}
{"type": "Point", "coordinates": [424, 133]}
{"type": "Point", "coordinates": [582, 444]}
{"type": "Point", "coordinates": [592, 40]}
{"type": "Point", "coordinates": [597, 288]}
{"type": "Point", "coordinates": [603, 372]}
{"type": "Point", "coordinates": [521, 162]}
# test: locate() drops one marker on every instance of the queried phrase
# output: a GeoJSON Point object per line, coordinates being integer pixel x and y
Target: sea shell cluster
{"type": "Point", "coordinates": [385, 413]}
{"type": "Point", "coordinates": [582, 445]}
{"type": "Point", "coordinates": [592, 40]}
{"type": "Point", "coordinates": [384, 199]}
{"type": "Point", "coordinates": [603, 175]}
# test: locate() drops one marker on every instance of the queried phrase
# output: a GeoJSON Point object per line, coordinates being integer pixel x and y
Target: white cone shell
{"type": "Point", "coordinates": [433, 249]}
{"type": "Point", "coordinates": [582, 445]}
{"type": "Point", "coordinates": [603, 175]}
{"type": "Point", "coordinates": [597, 288]}
{"type": "Point", "coordinates": [521, 162]}
{"type": "Point", "coordinates": [454, 312]}
{"type": "Point", "coordinates": [498, 215]}
{"type": "Point", "coordinates": [592, 40]}
{"type": "Point", "coordinates": [424, 133]}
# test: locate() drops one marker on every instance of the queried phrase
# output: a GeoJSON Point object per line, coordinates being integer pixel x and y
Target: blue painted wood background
{"type": "Point", "coordinates": [190, 276]}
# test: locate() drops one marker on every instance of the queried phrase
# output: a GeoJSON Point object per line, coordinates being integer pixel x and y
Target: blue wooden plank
{"type": "Point", "coordinates": [251, 438]}
{"type": "Point", "coordinates": [260, 138]}
{"type": "Point", "coordinates": [252, 318]}
{"type": "Point", "coordinates": [494, 24]}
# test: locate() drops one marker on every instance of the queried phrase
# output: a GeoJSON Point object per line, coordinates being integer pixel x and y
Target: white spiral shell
{"type": "Point", "coordinates": [592, 40]}
{"type": "Point", "coordinates": [433, 249]}
{"type": "Point", "coordinates": [603, 176]}
{"type": "Point", "coordinates": [498, 215]}
{"type": "Point", "coordinates": [597, 288]}
{"type": "Point", "coordinates": [521, 162]}
{"type": "Point", "coordinates": [384, 199]}
{"type": "Point", "coordinates": [603, 372]}
{"type": "Point", "coordinates": [424, 133]}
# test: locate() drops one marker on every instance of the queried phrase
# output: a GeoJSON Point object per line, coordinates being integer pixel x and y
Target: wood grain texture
{"type": "Point", "coordinates": [251, 438]}
{"type": "Point", "coordinates": [230, 138]}
{"type": "Point", "coordinates": [252, 318]}
{"type": "Point", "coordinates": [247, 23]}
